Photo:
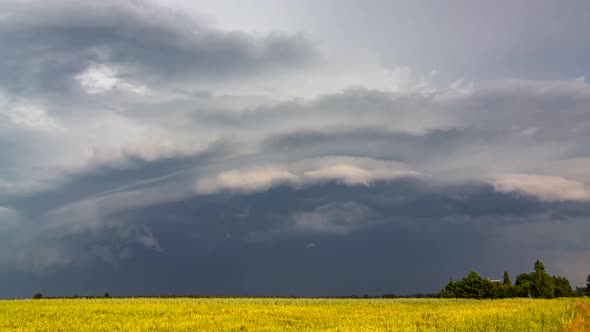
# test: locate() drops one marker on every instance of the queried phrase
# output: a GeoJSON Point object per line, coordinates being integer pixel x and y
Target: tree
{"type": "Point", "coordinates": [542, 287]}
{"type": "Point", "coordinates": [524, 285]}
{"type": "Point", "coordinates": [537, 284]}
{"type": "Point", "coordinates": [471, 287]}
{"type": "Point", "coordinates": [506, 281]}
{"type": "Point", "coordinates": [38, 296]}
{"type": "Point", "coordinates": [562, 287]}
{"type": "Point", "coordinates": [588, 285]}
{"type": "Point", "coordinates": [507, 290]}
{"type": "Point", "coordinates": [107, 295]}
{"type": "Point", "coordinates": [449, 290]}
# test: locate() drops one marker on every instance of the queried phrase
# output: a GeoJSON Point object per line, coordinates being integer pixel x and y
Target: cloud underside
{"type": "Point", "coordinates": [133, 134]}
{"type": "Point", "coordinates": [266, 234]}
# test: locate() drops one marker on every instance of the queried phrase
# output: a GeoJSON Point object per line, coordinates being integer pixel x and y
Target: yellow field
{"type": "Point", "coordinates": [154, 314]}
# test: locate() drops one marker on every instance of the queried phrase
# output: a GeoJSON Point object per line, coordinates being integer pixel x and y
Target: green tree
{"type": "Point", "coordinates": [542, 286]}
{"type": "Point", "coordinates": [449, 290]}
{"type": "Point", "coordinates": [471, 287]}
{"type": "Point", "coordinates": [562, 287]}
{"type": "Point", "coordinates": [588, 285]}
{"type": "Point", "coordinates": [524, 285]}
{"type": "Point", "coordinates": [537, 284]}
{"type": "Point", "coordinates": [506, 289]}
{"type": "Point", "coordinates": [507, 281]}
{"type": "Point", "coordinates": [38, 296]}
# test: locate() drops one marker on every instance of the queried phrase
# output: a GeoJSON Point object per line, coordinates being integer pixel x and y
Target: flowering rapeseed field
{"type": "Point", "coordinates": [268, 314]}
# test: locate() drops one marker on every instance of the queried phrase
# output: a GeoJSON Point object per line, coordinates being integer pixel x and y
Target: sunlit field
{"type": "Point", "coordinates": [267, 314]}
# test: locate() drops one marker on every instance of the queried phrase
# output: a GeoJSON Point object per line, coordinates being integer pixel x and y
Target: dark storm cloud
{"type": "Point", "coordinates": [393, 233]}
{"type": "Point", "coordinates": [99, 214]}
{"type": "Point", "coordinates": [46, 45]}
{"type": "Point", "coordinates": [405, 236]}
{"type": "Point", "coordinates": [70, 224]}
{"type": "Point", "coordinates": [146, 152]}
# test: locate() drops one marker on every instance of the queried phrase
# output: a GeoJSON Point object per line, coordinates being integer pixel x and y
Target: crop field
{"type": "Point", "coordinates": [270, 314]}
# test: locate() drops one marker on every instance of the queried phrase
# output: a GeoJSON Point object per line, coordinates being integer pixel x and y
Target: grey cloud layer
{"type": "Point", "coordinates": [50, 44]}
{"type": "Point", "coordinates": [538, 39]}
{"type": "Point", "coordinates": [117, 146]}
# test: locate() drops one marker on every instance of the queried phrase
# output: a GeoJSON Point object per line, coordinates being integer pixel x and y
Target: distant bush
{"type": "Point", "coordinates": [38, 296]}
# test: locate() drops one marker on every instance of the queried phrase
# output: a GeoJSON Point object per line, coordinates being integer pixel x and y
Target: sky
{"type": "Point", "coordinates": [290, 148]}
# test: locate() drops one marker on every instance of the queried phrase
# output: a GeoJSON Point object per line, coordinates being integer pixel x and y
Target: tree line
{"type": "Point", "coordinates": [536, 284]}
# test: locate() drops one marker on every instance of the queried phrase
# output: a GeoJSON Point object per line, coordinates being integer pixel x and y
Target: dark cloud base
{"type": "Point", "coordinates": [245, 245]}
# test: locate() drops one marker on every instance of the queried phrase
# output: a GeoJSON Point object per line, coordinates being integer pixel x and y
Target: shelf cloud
{"type": "Point", "coordinates": [233, 148]}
